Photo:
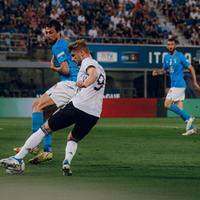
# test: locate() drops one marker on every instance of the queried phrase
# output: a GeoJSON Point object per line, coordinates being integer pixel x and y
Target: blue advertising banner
{"type": "Point", "coordinates": [135, 57]}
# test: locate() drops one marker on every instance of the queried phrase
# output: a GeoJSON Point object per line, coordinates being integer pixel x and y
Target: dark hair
{"type": "Point", "coordinates": [54, 23]}
{"type": "Point", "coordinates": [171, 39]}
{"type": "Point", "coordinates": [78, 45]}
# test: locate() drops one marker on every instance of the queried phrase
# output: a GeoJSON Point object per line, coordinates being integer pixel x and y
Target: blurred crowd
{"type": "Point", "coordinates": [112, 20]}
{"type": "Point", "coordinates": [185, 15]}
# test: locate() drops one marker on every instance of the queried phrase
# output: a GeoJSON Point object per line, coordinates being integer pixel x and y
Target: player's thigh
{"type": "Point", "coordinates": [43, 102]}
{"type": "Point", "coordinates": [168, 103]}
{"type": "Point", "coordinates": [176, 94]}
{"type": "Point", "coordinates": [83, 125]}
{"type": "Point", "coordinates": [63, 118]}
{"type": "Point", "coordinates": [62, 92]}
{"type": "Point", "coordinates": [49, 110]}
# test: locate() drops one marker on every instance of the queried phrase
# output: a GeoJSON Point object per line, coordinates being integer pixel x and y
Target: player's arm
{"type": "Point", "coordinates": [92, 77]}
{"type": "Point", "coordinates": [63, 69]}
{"type": "Point", "coordinates": [157, 72]}
{"type": "Point", "coordinates": [61, 58]}
{"type": "Point", "coordinates": [188, 66]}
{"type": "Point", "coordinates": [194, 79]}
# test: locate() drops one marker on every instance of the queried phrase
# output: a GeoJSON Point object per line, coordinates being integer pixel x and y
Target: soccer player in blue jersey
{"type": "Point", "coordinates": [61, 93]}
{"type": "Point", "coordinates": [175, 63]}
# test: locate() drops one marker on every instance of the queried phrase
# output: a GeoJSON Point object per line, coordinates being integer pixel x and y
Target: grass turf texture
{"type": "Point", "coordinates": [144, 159]}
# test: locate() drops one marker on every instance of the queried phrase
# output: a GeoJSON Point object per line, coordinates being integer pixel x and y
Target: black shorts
{"type": "Point", "coordinates": [70, 115]}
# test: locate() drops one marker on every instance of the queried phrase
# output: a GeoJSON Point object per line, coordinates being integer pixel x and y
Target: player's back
{"type": "Point", "coordinates": [90, 99]}
{"type": "Point", "coordinates": [61, 54]}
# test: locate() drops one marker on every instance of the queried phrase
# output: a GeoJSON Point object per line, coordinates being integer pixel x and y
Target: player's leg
{"type": "Point", "coordinates": [79, 131]}
{"type": "Point", "coordinates": [188, 122]}
{"type": "Point", "coordinates": [70, 151]}
{"type": "Point", "coordinates": [15, 163]}
{"type": "Point", "coordinates": [174, 102]}
{"type": "Point", "coordinates": [38, 107]}
{"type": "Point", "coordinates": [61, 119]}
{"type": "Point", "coordinates": [61, 94]}
{"type": "Point", "coordinates": [38, 118]}
{"type": "Point", "coordinates": [190, 129]}
{"type": "Point", "coordinates": [169, 104]}
{"type": "Point", "coordinates": [179, 104]}
{"type": "Point", "coordinates": [47, 142]}
{"type": "Point", "coordinates": [57, 121]}
{"type": "Point", "coordinates": [176, 95]}
{"type": "Point", "coordinates": [47, 153]}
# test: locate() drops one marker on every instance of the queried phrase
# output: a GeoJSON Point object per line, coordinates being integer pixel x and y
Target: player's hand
{"type": "Point", "coordinates": [52, 61]}
{"type": "Point", "coordinates": [154, 73]}
{"type": "Point", "coordinates": [53, 68]}
{"type": "Point", "coordinates": [80, 84]}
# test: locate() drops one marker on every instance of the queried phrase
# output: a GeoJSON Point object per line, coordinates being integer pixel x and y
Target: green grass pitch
{"type": "Point", "coordinates": [133, 159]}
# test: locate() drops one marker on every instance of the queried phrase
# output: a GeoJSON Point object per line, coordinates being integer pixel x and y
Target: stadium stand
{"type": "Point", "coordinates": [185, 15]}
{"type": "Point", "coordinates": [124, 21]}
{"type": "Point", "coordinates": [99, 21]}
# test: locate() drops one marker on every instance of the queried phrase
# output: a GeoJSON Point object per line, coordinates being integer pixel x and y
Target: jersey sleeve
{"type": "Point", "coordinates": [60, 55]}
{"type": "Point", "coordinates": [186, 63]}
{"type": "Point", "coordinates": [86, 64]}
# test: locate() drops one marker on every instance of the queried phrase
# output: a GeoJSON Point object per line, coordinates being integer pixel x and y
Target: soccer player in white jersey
{"type": "Point", "coordinates": [83, 111]}
{"type": "Point", "coordinates": [175, 62]}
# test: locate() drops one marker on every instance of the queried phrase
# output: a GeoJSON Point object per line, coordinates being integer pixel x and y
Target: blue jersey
{"type": "Point", "coordinates": [61, 54]}
{"type": "Point", "coordinates": [176, 63]}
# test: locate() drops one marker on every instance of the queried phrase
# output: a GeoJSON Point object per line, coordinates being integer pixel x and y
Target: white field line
{"type": "Point", "coordinates": [139, 126]}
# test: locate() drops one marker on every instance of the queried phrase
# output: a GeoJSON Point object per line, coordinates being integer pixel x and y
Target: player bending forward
{"type": "Point", "coordinates": [83, 111]}
{"type": "Point", "coordinates": [175, 62]}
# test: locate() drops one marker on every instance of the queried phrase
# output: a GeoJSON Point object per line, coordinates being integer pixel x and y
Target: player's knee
{"type": "Point", "coordinates": [71, 137]}
{"type": "Point", "coordinates": [39, 107]}
{"type": "Point", "coordinates": [34, 105]}
{"type": "Point", "coordinates": [167, 104]}
{"type": "Point", "coordinates": [45, 128]}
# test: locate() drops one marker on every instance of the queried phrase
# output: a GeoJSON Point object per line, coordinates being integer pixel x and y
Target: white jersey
{"type": "Point", "coordinates": [90, 99]}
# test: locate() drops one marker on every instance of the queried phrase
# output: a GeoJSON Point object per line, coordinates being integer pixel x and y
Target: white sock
{"type": "Point", "coordinates": [70, 150]}
{"type": "Point", "coordinates": [33, 141]}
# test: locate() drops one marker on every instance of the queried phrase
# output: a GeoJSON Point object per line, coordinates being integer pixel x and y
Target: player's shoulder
{"type": "Point", "coordinates": [179, 53]}
{"type": "Point", "coordinates": [60, 44]}
{"type": "Point", "coordinates": [63, 43]}
{"type": "Point", "coordinates": [166, 56]}
{"type": "Point", "coordinates": [89, 61]}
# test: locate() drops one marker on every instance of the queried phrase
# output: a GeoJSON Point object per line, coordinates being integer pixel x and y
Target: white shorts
{"type": "Point", "coordinates": [176, 94]}
{"type": "Point", "coordinates": [62, 92]}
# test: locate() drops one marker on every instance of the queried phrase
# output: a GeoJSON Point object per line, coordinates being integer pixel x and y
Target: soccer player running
{"type": "Point", "coordinates": [175, 62]}
{"type": "Point", "coordinates": [58, 95]}
{"type": "Point", "coordinates": [83, 111]}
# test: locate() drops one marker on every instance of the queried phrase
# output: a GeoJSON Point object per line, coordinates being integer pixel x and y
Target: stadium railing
{"type": "Point", "coordinates": [123, 40]}
{"type": "Point", "coordinates": [13, 43]}
{"type": "Point", "coordinates": [21, 43]}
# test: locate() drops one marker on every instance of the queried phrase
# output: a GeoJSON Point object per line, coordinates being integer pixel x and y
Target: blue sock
{"type": "Point", "coordinates": [47, 141]}
{"type": "Point", "coordinates": [182, 113]}
{"type": "Point", "coordinates": [37, 121]}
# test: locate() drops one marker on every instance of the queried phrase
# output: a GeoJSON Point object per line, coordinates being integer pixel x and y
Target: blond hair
{"type": "Point", "coordinates": [79, 45]}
